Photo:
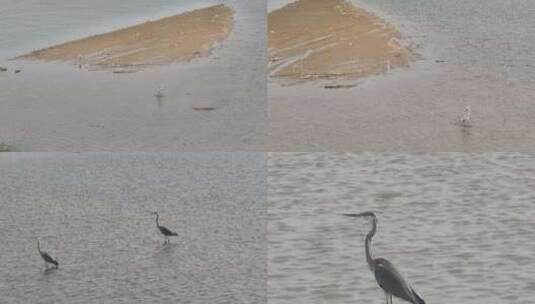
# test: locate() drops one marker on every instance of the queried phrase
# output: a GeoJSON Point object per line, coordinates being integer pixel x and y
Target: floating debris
{"type": "Point", "coordinates": [16, 71]}
{"type": "Point", "coordinates": [2, 69]}
{"type": "Point", "coordinates": [204, 108]}
{"type": "Point", "coordinates": [340, 86]}
{"type": "Point", "coordinates": [96, 125]}
{"type": "Point", "coordinates": [124, 71]}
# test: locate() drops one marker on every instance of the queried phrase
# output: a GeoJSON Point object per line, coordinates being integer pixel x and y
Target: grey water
{"type": "Point", "coordinates": [32, 24]}
{"type": "Point", "coordinates": [56, 107]}
{"type": "Point", "coordinates": [91, 212]}
{"type": "Point", "coordinates": [490, 38]}
{"type": "Point", "coordinates": [478, 53]}
{"type": "Point", "coordinates": [459, 227]}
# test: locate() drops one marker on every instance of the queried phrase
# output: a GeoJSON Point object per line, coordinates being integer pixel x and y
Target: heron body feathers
{"type": "Point", "coordinates": [386, 275]}
{"type": "Point", "coordinates": [166, 231]}
{"type": "Point", "coordinates": [391, 281]}
{"type": "Point", "coordinates": [48, 258]}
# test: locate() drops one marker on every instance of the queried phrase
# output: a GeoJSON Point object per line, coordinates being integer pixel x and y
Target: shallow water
{"type": "Point", "coordinates": [473, 53]}
{"type": "Point", "coordinates": [92, 213]}
{"type": "Point", "coordinates": [458, 226]}
{"type": "Point", "coordinates": [56, 107]}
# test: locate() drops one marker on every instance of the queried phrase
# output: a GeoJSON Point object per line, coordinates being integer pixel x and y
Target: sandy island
{"type": "Point", "coordinates": [312, 39]}
{"type": "Point", "coordinates": [177, 38]}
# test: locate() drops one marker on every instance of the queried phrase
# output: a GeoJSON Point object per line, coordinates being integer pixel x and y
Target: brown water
{"type": "Point", "coordinates": [92, 213]}
{"type": "Point", "coordinates": [458, 226]}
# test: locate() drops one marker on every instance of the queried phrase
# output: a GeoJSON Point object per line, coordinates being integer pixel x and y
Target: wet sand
{"type": "Point", "coordinates": [178, 38]}
{"type": "Point", "coordinates": [52, 106]}
{"type": "Point", "coordinates": [416, 109]}
{"type": "Point", "coordinates": [317, 39]}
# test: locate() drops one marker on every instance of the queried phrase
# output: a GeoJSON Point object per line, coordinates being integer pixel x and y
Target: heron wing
{"type": "Point", "coordinates": [166, 231]}
{"type": "Point", "coordinates": [48, 258]}
{"type": "Point", "coordinates": [391, 281]}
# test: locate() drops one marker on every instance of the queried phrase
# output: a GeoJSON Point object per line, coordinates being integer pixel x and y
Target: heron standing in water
{"type": "Point", "coordinates": [465, 120]}
{"type": "Point", "coordinates": [46, 257]}
{"type": "Point", "coordinates": [160, 92]}
{"type": "Point", "coordinates": [386, 275]}
{"type": "Point", "coordinates": [165, 231]}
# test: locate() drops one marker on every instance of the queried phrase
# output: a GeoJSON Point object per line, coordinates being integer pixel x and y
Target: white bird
{"type": "Point", "coordinates": [159, 93]}
{"type": "Point", "coordinates": [465, 120]}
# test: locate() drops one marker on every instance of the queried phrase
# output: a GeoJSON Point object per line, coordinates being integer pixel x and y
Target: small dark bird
{"type": "Point", "coordinates": [165, 231]}
{"type": "Point", "coordinates": [46, 257]}
{"type": "Point", "coordinates": [386, 275]}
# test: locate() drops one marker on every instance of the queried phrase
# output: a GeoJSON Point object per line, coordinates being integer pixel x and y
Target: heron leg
{"type": "Point", "coordinates": [390, 296]}
{"type": "Point", "coordinates": [386, 296]}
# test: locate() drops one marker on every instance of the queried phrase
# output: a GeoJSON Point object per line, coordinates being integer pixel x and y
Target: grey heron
{"type": "Point", "coordinates": [386, 275]}
{"type": "Point", "coordinates": [164, 230]}
{"type": "Point", "coordinates": [46, 257]}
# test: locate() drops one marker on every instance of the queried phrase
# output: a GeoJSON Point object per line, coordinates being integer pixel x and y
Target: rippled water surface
{"type": "Point", "coordinates": [477, 53]}
{"type": "Point", "coordinates": [459, 227]}
{"type": "Point", "coordinates": [92, 213]}
{"type": "Point", "coordinates": [56, 107]}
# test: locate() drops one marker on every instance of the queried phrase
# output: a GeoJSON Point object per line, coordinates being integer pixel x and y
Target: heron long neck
{"type": "Point", "coordinates": [157, 216]}
{"type": "Point", "coordinates": [38, 246]}
{"type": "Point", "coordinates": [368, 243]}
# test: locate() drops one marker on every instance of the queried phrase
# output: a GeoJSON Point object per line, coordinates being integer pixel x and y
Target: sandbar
{"type": "Point", "coordinates": [172, 39]}
{"type": "Point", "coordinates": [318, 39]}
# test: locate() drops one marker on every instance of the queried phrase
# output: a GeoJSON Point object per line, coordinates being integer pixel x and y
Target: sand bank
{"type": "Point", "coordinates": [177, 38]}
{"type": "Point", "coordinates": [311, 39]}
